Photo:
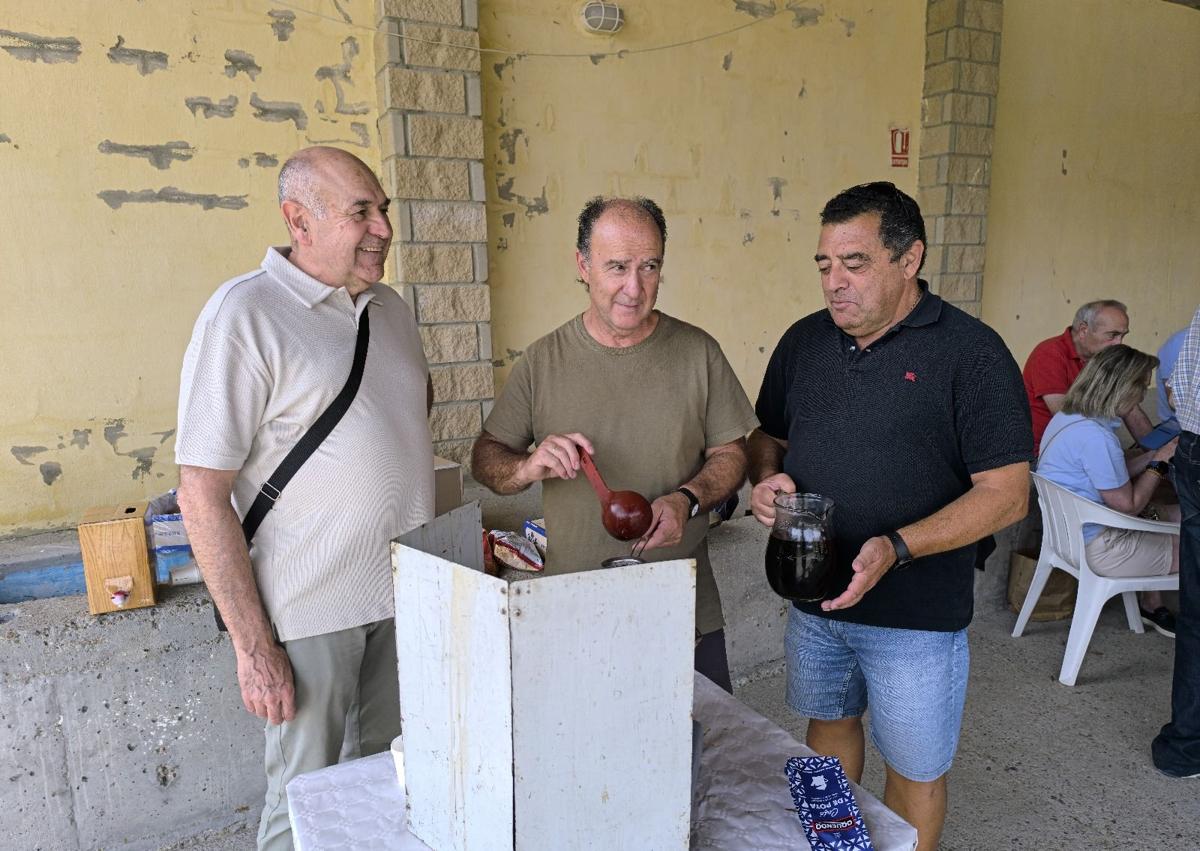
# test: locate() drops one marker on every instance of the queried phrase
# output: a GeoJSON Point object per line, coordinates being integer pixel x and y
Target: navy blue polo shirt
{"type": "Point", "coordinates": [892, 433]}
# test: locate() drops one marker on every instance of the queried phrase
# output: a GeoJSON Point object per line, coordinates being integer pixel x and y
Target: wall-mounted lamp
{"type": "Point", "coordinates": [602, 17]}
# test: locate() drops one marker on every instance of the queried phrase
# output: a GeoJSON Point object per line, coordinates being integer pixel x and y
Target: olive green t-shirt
{"type": "Point", "coordinates": [650, 410]}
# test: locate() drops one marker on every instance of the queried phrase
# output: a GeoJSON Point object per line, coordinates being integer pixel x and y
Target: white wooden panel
{"type": "Point", "coordinates": [456, 536]}
{"type": "Point", "coordinates": [602, 708]}
{"type": "Point", "coordinates": [452, 640]}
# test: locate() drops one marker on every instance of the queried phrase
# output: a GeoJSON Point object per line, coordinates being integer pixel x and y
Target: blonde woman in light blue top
{"type": "Point", "coordinates": [1081, 452]}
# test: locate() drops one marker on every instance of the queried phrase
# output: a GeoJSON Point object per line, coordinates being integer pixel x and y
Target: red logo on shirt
{"type": "Point", "coordinates": [910, 376]}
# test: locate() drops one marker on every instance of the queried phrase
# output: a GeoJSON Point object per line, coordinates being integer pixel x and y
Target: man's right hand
{"type": "Point", "coordinates": [762, 497]}
{"type": "Point", "coordinates": [265, 677]}
{"type": "Point", "coordinates": [556, 457]}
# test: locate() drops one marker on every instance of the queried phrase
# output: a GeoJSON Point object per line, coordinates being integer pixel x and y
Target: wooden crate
{"type": "Point", "coordinates": [548, 713]}
{"type": "Point", "coordinates": [113, 541]}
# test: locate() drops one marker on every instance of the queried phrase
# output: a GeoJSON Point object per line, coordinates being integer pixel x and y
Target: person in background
{"type": "Point", "coordinates": [1176, 749]}
{"type": "Point", "coordinates": [309, 604]}
{"type": "Point", "coordinates": [1167, 355]}
{"type": "Point", "coordinates": [1081, 452]}
{"type": "Point", "coordinates": [1054, 363]}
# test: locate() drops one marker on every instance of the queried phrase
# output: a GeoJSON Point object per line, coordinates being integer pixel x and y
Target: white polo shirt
{"type": "Point", "coordinates": [268, 354]}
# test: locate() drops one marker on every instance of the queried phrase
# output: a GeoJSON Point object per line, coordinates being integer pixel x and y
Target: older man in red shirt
{"type": "Point", "coordinates": [1053, 364]}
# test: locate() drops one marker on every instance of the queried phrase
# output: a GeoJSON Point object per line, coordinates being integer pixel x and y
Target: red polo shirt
{"type": "Point", "coordinates": [1052, 366]}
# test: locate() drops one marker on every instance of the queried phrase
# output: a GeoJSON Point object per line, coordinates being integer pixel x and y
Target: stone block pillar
{"type": "Point", "coordinates": [958, 116]}
{"type": "Point", "coordinates": [432, 152]}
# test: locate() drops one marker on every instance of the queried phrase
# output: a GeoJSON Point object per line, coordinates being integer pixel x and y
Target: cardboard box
{"type": "Point", "coordinates": [447, 485]}
{"type": "Point", "coordinates": [535, 530]}
{"type": "Point", "coordinates": [533, 716]}
{"type": "Point", "coordinates": [116, 565]}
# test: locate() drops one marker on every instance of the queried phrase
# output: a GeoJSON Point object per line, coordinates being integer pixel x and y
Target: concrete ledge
{"type": "Point", "coordinates": [122, 730]}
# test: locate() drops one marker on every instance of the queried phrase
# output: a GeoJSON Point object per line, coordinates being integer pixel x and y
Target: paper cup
{"type": "Point", "coordinates": [398, 758]}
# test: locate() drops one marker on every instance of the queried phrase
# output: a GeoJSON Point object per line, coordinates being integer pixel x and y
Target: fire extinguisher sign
{"type": "Point", "coordinates": [899, 147]}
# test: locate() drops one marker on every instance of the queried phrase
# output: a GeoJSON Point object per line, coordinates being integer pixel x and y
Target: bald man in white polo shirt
{"type": "Point", "coordinates": [309, 604]}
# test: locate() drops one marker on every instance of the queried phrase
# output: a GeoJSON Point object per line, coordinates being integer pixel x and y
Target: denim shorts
{"type": "Point", "coordinates": [914, 680]}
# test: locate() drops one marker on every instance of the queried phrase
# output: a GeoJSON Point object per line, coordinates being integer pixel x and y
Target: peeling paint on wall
{"type": "Point", "coordinates": [113, 432]}
{"type": "Point", "coordinates": [163, 436]}
{"type": "Point", "coordinates": [81, 437]}
{"type": "Point", "coordinates": [753, 9]}
{"type": "Point", "coordinates": [339, 75]}
{"type": "Point", "coordinates": [24, 453]}
{"type": "Point", "coordinates": [508, 143]}
{"type": "Point", "coordinates": [282, 22]}
{"type": "Point", "coordinates": [533, 206]}
{"type": "Point", "coordinates": [501, 67]}
{"type": "Point", "coordinates": [50, 471]}
{"type": "Point", "coordinates": [144, 458]}
{"type": "Point", "coordinates": [597, 58]}
{"type": "Point", "coordinates": [4, 139]}
{"type": "Point", "coordinates": [508, 219]}
{"type": "Point", "coordinates": [147, 61]}
{"type": "Point", "coordinates": [261, 160]}
{"type": "Point", "coordinates": [49, 49]}
{"type": "Point", "coordinates": [115, 198]}
{"type": "Point", "coordinates": [223, 109]}
{"type": "Point", "coordinates": [357, 127]}
{"type": "Point", "coordinates": [806, 16]}
{"type": "Point", "coordinates": [849, 25]}
{"type": "Point", "coordinates": [266, 110]}
{"type": "Point", "coordinates": [727, 61]}
{"type": "Point", "coordinates": [160, 156]}
{"type": "Point", "coordinates": [513, 355]}
{"type": "Point", "coordinates": [240, 60]}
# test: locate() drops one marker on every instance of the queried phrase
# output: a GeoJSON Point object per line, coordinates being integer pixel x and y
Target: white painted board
{"type": "Point", "coordinates": [602, 708]}
{"type": "Point", "coordinates": [456, 536]}
{"type": "Point", "coordinates": [452, 641]}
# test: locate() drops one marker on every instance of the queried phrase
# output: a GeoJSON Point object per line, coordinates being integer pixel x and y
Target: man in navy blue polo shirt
{"type": "Point", "coordinates": [911, 415]}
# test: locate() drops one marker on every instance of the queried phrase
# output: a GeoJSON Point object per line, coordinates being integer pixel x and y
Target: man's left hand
{"type": "Point", "coordinates": [669, 514]}
{"type": "Point", "coordinates": [874, 560]}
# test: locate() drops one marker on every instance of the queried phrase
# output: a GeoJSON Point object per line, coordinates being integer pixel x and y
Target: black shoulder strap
{"type": "Point", "coordinates": [316, 434]}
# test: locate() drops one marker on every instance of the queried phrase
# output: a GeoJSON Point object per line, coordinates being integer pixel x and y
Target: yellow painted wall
{"type": "Point", "coordinates": [99, 302]}
{"type": "Point", "coordinates": [704, 130]}
{"type": "Point", "coordinates": [1095, 174]}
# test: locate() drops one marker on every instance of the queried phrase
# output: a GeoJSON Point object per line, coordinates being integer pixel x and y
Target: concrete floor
{"type": "Point", "coordinates": [1040, 765]}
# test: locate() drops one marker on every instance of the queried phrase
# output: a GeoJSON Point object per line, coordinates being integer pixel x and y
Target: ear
{"type": "Point", "coordinates": [581, 263]}
{"type": "Point", "coordinates": [912, 259]}
{"type": "Point", "coordinates": [296, 216]}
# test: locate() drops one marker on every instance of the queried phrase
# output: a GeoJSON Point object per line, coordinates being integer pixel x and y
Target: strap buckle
{"type": "Point", "coordinates": [263, 490]}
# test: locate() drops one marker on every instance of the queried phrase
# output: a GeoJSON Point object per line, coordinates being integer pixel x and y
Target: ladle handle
{"type": "Point", "coordinates": [593, 475]}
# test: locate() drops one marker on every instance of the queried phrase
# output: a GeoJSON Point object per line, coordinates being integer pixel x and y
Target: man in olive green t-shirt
{"type": "Point", "coordinates": [652, 398]}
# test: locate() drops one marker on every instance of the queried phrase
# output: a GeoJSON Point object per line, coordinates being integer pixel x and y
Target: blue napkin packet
{"type": "Point", "coordinates": [826, 805]}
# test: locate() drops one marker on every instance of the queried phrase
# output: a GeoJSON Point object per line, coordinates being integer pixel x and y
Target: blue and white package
{"type": "Point", "coordinates": [826, 806]}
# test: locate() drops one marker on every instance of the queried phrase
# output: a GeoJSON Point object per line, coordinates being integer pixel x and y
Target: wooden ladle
{"type": "Point", "coordinates": [626, 514]}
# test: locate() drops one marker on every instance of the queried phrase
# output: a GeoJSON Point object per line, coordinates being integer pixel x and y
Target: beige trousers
{"type": "Point", "coordinates": [347, 706]}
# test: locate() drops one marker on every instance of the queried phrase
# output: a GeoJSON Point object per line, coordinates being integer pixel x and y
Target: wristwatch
{"type": "Point", "coordinates": [693, 502]}
{"type": "Point", "coordinates": [903, 556]}
{"type": "Point", "coordinates": [1159, 468]}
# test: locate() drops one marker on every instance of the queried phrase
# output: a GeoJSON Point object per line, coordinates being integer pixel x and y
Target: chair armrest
{"type": "Point", "coordinates": [1105, 516]}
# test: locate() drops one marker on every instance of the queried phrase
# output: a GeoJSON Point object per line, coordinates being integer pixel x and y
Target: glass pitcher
{"type": "Point", "coordinates": [801, 562]}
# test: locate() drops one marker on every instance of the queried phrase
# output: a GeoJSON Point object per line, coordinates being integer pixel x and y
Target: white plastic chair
{"type": "Point", "coordinates": [1063, 516]}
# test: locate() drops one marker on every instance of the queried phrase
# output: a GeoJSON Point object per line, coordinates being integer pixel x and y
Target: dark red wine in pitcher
{"type": "Point", "coordinates": [804, 570]}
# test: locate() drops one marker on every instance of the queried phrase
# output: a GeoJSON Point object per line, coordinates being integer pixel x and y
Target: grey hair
{"type": "Point", "coordinates": [1109, 380]}
{"type": "Point", "coordinates": [1086, 315]}
{"type": "Point", "coordinates": [297, 182]}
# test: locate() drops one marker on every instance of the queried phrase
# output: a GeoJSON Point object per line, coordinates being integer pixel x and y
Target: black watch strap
{"type": "Point", "coordinates": [903, 556]}
{"type": "Point", "coordinates": [693, 502]}
{"type": "Point", "coordinates": [1160, 468]}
